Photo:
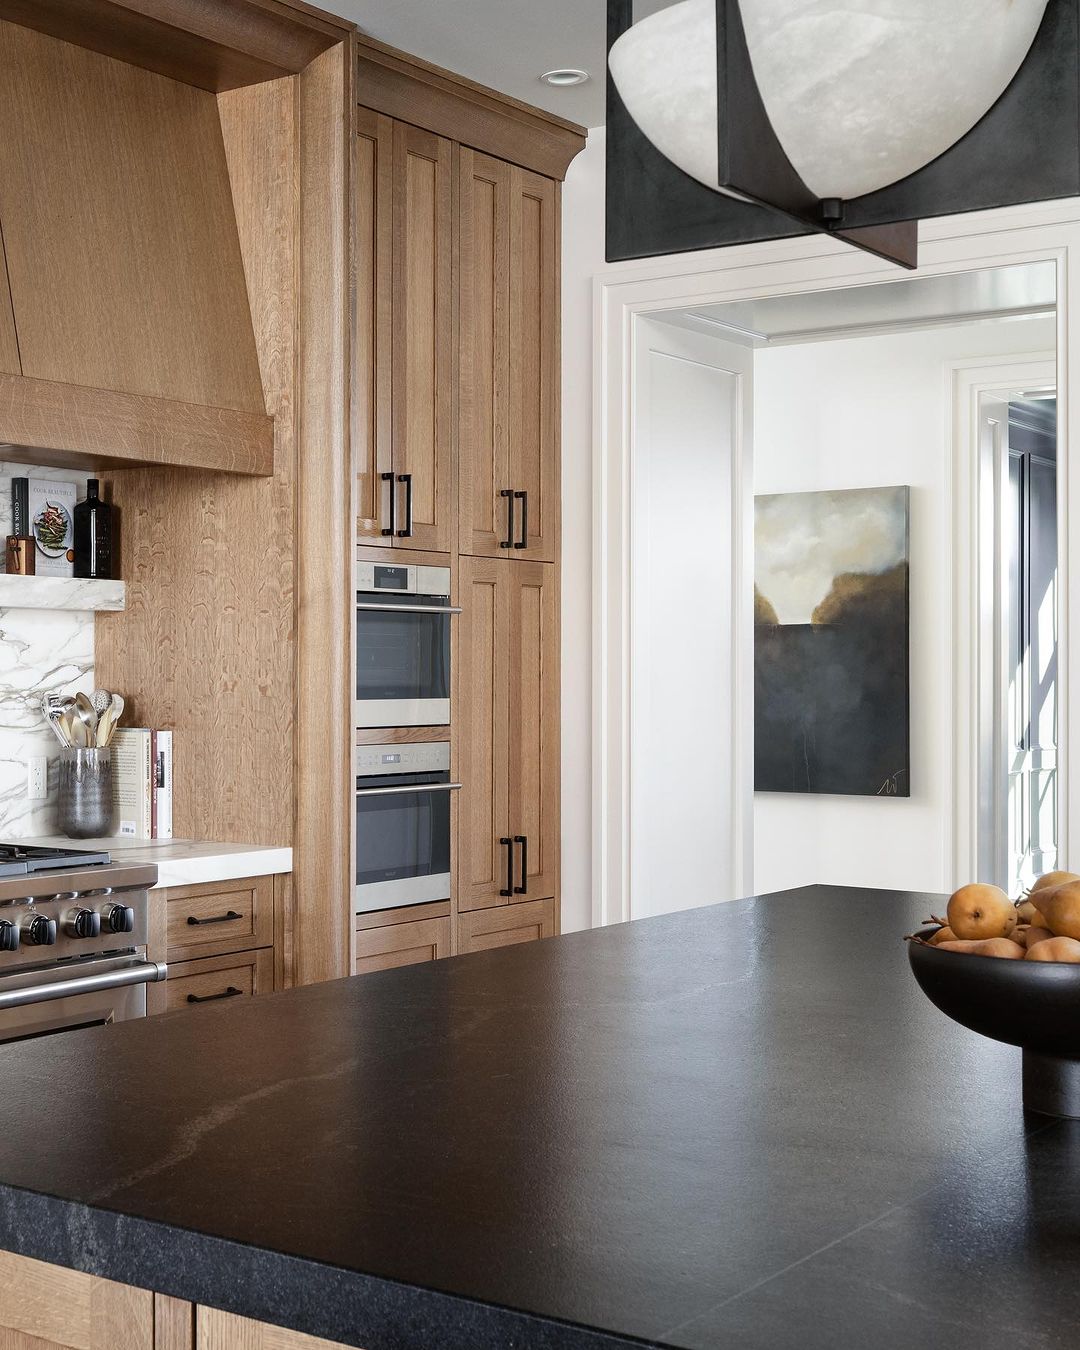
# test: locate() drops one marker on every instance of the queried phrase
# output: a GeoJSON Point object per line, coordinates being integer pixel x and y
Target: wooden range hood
{"type": "Point", "coordinates": [126, 335]}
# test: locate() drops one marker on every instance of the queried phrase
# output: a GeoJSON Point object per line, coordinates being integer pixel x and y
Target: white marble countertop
{"type": "Point", "coordinates": [184, 862]}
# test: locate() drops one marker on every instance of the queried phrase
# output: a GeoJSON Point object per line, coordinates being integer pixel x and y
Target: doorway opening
{"type": "Point", "coordinates": [1020, 827]}
{"type": "Point", "coordinates": [822, 393]}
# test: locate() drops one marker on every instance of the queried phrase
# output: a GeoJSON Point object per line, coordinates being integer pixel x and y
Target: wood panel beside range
{"type": "Point", "coordinates": [236, 631]}
{"type": "Point", "coordinates": [447, 169]}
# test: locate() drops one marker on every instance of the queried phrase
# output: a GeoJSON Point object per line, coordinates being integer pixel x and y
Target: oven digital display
{"type": "Point", "coordinates": [391, 578]}
{"type": "Point", "coordinates": [391, 759]}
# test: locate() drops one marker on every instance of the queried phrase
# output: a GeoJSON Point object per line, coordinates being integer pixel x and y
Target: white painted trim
{"type": "Point", "coordinates": [1045, 231]}
{"type": "Point", "coordinates": [733, 841]}
{"type": "Point", "coordinates": [973, 513]}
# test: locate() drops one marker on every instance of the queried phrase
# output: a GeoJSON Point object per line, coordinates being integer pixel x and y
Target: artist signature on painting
{"type": "Point", "coordinates": [891, 785]}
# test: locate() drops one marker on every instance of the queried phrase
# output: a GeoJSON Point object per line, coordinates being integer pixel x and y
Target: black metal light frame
{"type": "Point", "coordinates": [1025, 149]}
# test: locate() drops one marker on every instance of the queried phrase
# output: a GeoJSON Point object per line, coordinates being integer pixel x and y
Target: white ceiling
{"type": "Point", "coordinates": [1022, 290]}
{"type": "Point", "coordinates": [506, 44]}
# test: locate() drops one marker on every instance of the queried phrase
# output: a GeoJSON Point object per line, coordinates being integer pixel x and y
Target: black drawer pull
{"type": "Point", "coordinates": [523, 498]}
{"type": "Point", "coordinates": [523, 840]}
{"type": "Point", "coordinates": [217, 918]}
{"type": "Point", "coordinates": [508, 542]}
{"type": "Point", "coordinates": [231, 992]}
{"type": "Point", "coordinates": [508, 889]}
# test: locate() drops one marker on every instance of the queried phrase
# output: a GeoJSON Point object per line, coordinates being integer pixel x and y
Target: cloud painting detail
{"type": "Point", "coordinates": [831, 642]}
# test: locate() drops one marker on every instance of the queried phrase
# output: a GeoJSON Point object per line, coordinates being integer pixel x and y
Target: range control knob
{"type": "Point", "coordinates": [118, 918]}
{"type": "Point", "coordinates": [9, 936]}
{"type": "Point", "coordinates": [39, 931]}
{"type": "Point", "coordinates": [83, 923]}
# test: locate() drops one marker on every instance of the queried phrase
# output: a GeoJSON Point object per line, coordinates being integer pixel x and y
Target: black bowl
{"type": "Point", "coordinates": [1033, 1004]}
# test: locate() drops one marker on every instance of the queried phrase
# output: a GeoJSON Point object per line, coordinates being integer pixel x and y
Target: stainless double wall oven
{"type": "Point", "coordinates": [403, 616]}
{"type": "Point", "coordinates": [403, 806]}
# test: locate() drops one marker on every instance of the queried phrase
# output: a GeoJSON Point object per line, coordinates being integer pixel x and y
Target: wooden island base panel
{"type": "Point", "coordinates": [45, 1307]}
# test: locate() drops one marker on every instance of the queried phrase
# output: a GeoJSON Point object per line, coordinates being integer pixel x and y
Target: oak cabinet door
{"type": "Point", "coordinates": [215, 1330]}
{"type": "Point", "coordinates": [506, 927]}
{"type": "Point", "coordinates": [46, 1307]}
{"type": "Point", "coordinates": [481, 694]}
{"type": "Point", "coordinates": [401, 944]}
{"type": "Point", "coordinates": [423, 338]}
{"type": "Point", "coordinates": [534, 751]}
{"type": "Point", "coordinates": [373, 280]}
{"type": "Point", "coordinates": [534, 364]}
{"type": "Point", "coordinates": [484, 345]}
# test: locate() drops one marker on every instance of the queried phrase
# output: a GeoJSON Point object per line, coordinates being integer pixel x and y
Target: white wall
{"type": "Point", "coordinates": [867, 412]}
{"type": "Point", "coordinates": [582, 259]}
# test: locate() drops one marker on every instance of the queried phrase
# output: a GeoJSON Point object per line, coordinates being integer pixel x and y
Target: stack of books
{"type": "Point", "coordinates": [142, 765]}
{"type": "Point", "coordinates": [44, 509]}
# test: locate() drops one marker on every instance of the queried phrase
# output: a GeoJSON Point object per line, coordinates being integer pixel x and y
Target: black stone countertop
{"type": "Point", "coordinates": [740, 1126]}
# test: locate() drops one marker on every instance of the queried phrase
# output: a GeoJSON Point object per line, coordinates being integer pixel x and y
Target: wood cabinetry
{"type": "Point", "coordinates": [215, 979]}
{"type": "Point", "coordinates": [403, 403]}
{"type": "Point", "coordinates": [405, 943]}
{"type": "Point", "coordinates": [47, 1308]}
{"type": "Point", "coordinates": [9, 344]}
{"type": "Point", "coordinates": [486, 928]}
{"type": "Point", "coordinates": [484, 331]}
{"type": "Point", "coordinates": [373, 248]}
{"type": "Point", "coordinates": [534, 364]}
{"type": "Point", "coordinates": [220, 917]}
{"type": "Point", "coordinates": [123, 273]}
{"type": "Point", "coordinates": [222, 940]}
{"type": "Point", "coordinates": [508, 733]}
{"type": "Point", "coordinates": [215, 1330]}
{"type": "Point", "coordinates": [457, 250]}
{"type": "Point", "coordinates": [508, 327]}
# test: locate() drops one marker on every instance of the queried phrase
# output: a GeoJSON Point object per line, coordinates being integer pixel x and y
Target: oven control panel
{"type": "Point", "coordinates": [421, 757]}
{"type": "Point", "coordinates": [51, 928]}
{"type": "Point", "coordinates": [405, 579]}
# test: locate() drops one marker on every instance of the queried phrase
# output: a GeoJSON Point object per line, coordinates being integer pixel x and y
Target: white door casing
{"type": "Point", "coordinates": [690, 485]}
{"type": "Point", "coordinates": [980, 706]}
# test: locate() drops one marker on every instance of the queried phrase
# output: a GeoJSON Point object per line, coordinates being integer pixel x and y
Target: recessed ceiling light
{"type": "Point", "coordinates": [563, 78]}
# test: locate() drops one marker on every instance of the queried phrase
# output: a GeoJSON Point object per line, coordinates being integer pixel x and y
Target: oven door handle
{"type": "Point", "coordinates": [408, 787]}
{"type": "Point", "coordinates": [143, 972]}
{"type": "Point", "coordinates": [408, 609]}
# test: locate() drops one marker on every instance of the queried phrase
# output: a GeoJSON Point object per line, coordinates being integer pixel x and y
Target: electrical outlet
{"type": "Point", "coordinates": [37, 778]}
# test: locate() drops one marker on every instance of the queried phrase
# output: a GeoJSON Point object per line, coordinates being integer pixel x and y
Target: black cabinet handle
{"type": "Point", "coordinates": [406, 478]}
{"type": "Point", "coordinates": [509, 888]}
{"type": "Point", "coordinates": [523, 840]}
{"type": "Point", "coordinates": [231, 992]}
{"type": "Point", "coordinates": [508, 542]}
{"type": "Point", "coordinates": [389, 478]}
{"type": "Point", "coordinates": [523, 498]}
{"type": "Point", "coordinates": [217, 918]}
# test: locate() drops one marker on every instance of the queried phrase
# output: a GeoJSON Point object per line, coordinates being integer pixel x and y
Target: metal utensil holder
{"type": "Point", "coordinates": [85, 795]}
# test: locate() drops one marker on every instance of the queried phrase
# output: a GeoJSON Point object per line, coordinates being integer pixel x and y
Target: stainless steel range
{"type": "Point", "coordinates": [72, 940]}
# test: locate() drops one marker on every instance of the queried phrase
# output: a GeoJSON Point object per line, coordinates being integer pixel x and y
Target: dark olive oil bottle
{"type": "Point", "coordinates": [93, 535]}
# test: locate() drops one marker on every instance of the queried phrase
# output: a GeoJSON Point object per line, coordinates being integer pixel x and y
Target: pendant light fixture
{"type": "Point", "coordinates": [807, 107]}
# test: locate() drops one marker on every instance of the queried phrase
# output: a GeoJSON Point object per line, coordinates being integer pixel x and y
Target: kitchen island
{"type": "Point", "coordinates": [737, 1126]}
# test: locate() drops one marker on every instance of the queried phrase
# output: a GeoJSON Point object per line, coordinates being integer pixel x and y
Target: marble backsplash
{"type": "Point", "coordinates": [41, 652]}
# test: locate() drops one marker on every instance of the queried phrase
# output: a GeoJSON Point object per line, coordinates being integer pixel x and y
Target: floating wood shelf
{"type": "Point", "coordinates": [60, 593]}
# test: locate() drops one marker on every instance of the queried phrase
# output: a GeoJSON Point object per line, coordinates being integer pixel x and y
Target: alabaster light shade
{"type": "Point", "coordinates": [860, 93]}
